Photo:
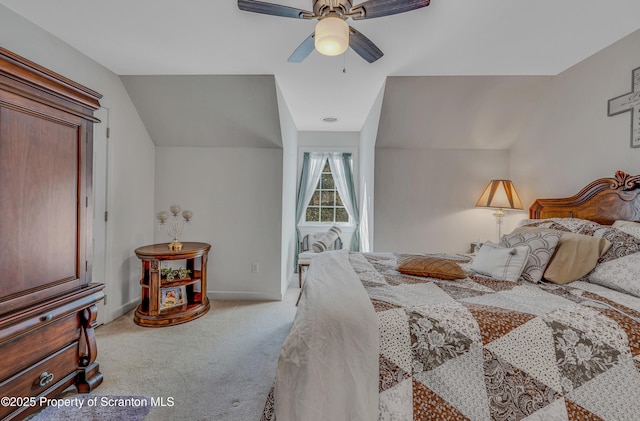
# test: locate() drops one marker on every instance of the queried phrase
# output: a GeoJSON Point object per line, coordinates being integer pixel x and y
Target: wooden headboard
{"type": "Point", "coordinates": [605, 200]}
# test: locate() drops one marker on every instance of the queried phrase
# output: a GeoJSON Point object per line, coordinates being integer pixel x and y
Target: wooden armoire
{"type": "Point", "coordinates": [47, 301]}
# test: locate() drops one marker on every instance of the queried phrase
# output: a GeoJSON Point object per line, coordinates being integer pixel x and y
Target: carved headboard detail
{"type": "Point", "coordinates": [604, 200]}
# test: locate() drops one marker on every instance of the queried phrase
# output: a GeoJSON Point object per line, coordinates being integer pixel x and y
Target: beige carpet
{"type": "Point", "coordinates": [218, 367]}
{"type": "Point", "coordinates": [96, 408]}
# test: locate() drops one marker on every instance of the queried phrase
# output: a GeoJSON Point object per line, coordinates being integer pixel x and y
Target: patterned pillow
{"type": "Point", "coordinates": [541, 247]}
{"type": "Point", "coordinates": [562, 224]}
{"type": "Point", "coordinates": [325, 242]}
{"type": "Point", "coordinates": [630, 229]}
{"type": "Point", "coordinates": [542, 223]}
{"type": "Point", "coordinates": [430, 266]}
{"type": "Point", "coordinates": [622, 243]}
{"type": "Point", "coordinates": [620, 274]}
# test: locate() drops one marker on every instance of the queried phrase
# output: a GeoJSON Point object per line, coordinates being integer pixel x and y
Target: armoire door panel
{"type": "Point", "coordinates": [39, 175]}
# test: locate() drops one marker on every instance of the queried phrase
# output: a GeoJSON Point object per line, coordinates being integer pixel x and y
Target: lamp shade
{"type": "Point", "coordinates": [500, 194]}
{"type": "Point", "coordinates": [331, 36]}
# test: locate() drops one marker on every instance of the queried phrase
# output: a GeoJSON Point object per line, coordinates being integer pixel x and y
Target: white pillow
{"type": "Point", "coordinates": [622, 223]}
{"type": "Point", "coordinates": [500, 262]}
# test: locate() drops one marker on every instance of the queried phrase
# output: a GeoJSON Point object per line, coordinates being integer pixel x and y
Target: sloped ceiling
{"type": "Point", "coordinates": [207, 110]}
{"type": "Point", "coordinates": [449, 37]}
{"type": "Point", "coordinates": [457, 112]}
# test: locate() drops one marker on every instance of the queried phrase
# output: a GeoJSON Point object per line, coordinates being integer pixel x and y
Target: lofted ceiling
{"type": "Point", "coordinates": [449, 37]}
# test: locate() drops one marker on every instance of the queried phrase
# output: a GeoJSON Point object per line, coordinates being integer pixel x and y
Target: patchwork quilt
{"type": "Point", "coordinates": [482, 349]}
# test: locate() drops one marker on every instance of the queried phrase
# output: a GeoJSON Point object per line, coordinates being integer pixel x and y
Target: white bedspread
{"type": "Point", "coordinates": [340, 350]}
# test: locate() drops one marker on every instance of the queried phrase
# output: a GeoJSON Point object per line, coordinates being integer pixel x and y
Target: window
{"type": "Point", "coordinates": [326, 204]}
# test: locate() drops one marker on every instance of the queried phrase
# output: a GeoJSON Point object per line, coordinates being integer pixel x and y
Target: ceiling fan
{"type": "Point", "coordinates": [332, 35]}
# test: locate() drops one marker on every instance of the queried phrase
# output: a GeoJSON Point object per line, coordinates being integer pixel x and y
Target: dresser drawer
{"type": "Point", "coordinates": [25, 350]}
{"type": "Point", "coordinates": [42, 376]}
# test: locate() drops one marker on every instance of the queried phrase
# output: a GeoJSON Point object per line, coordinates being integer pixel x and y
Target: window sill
{"type": "Point", "coordinates": [327, 225]}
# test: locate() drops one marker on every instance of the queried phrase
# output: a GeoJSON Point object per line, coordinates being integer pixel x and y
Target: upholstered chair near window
{"type": "Point", "coordinates": [315, 243]}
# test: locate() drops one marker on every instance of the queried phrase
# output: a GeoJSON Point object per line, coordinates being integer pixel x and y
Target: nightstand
{"type": "Point", "coordinates": [167, 299]}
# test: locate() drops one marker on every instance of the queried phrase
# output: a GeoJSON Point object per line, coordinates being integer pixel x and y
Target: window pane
{"type": "Point", "coordinates": [328, 198]}
{"type": "Point", "coordinates": [315, 199]}
{"type": "Point", "coordinates": [313, 214]}
{"type": "Point", "coordinates": [326, 205]}
{"type": "Point", "coordinates": [327, 182]}
{"type": "Point", "coordinates": [326, 215]}
{"type": "Point", "coordinates": [342, 215]}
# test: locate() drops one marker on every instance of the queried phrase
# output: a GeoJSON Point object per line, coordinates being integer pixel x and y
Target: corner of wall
{"type": "Point", "coordinates": [289, 166]}
{"type": "Point", "coordinates": [368, 137]}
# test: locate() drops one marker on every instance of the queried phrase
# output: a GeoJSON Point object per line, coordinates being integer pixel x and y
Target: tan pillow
{"type": "Point", "coordinates": [575, 256]}
{"type": "Point", "coordinates": [433, 267]}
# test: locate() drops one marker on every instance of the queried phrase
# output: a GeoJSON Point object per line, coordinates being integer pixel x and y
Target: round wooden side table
{"type": "Point", "coordinates": [172, 295]}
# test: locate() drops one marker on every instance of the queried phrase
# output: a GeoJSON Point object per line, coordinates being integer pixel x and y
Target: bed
{"type": "Point", "coordinates": [374, 340]}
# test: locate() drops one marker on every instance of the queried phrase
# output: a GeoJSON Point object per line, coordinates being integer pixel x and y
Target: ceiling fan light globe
{"type": "Point", "coordinates": [332, 36]}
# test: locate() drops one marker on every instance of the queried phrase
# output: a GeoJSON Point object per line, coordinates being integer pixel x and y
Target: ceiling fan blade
{"type": "Point", "coordinates": [303, 50]}
{"type": "Point", "coordinates": [272, 9]}
{"type": "Point", "coordinates": [364, 46]}
{"type": "Point", "coordinates": [377, 8]}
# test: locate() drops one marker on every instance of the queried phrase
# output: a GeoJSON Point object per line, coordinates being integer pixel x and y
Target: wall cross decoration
{"type": "Point", "coordinates": [630, 102]}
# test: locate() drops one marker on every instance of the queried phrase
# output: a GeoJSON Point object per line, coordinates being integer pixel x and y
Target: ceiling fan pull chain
{"type": "Point", "coordinates": [344, 62]}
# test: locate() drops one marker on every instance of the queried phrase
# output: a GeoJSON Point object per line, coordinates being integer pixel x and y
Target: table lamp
{"type": "Point", "coordinates": [499, 194]}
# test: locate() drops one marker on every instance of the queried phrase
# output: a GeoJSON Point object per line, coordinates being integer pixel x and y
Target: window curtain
{"type": "Point", "coordinates": [312, 164]}
{"type": "Point", "coordinates": [340, 164]}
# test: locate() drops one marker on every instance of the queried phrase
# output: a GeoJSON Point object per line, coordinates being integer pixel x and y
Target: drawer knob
{"type": "Point", "coordinates": [46, 378]}
{"type": "Point", "coordinates": [47, 317]}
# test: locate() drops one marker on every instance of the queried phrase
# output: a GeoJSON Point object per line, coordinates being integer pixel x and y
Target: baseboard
{"type": "Point", "coordinates": [294, 280]}
{"type": "Point", "coordinates": [244, 296]}
{"type": "Point", "coordinates": [123, 309]}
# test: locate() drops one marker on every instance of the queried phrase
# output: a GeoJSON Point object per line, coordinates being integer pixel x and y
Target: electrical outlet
{"type": "Point", "coordinates": [254, 267]}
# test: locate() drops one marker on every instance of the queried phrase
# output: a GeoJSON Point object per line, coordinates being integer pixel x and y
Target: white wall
{"type": "Point", "coordinates": [131, 171]}
{"type": "Point", "coordinates": [330, 140]}
{"type": "Point", "coordinates": [570, 140]}
{"type": "Point", "coordinates": [289, 173]}
{"type": "Point", "coordinates": [425, 198]}
{"type": "Point", "coordinates": [368, 136]}
{"type": "Point", "coordinates": [440, 140]}
{"type": "Point", "coordinates": [457, 112]}
{"type": "Point", "coordinates": [236, 197]}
